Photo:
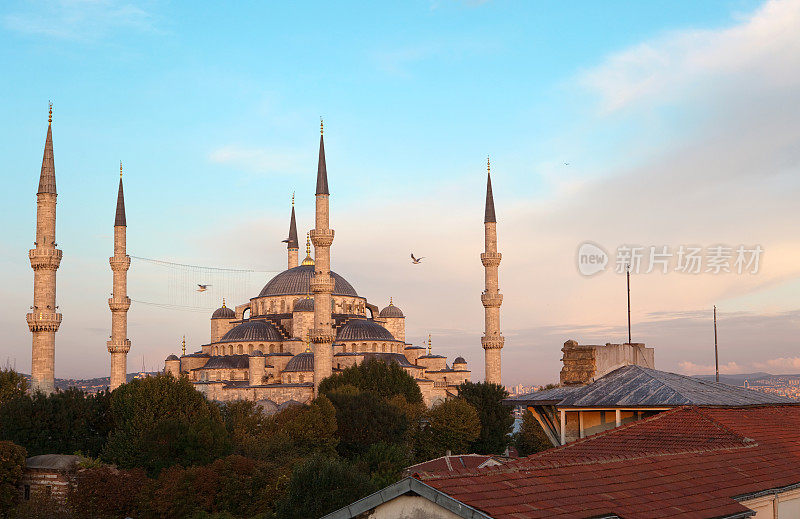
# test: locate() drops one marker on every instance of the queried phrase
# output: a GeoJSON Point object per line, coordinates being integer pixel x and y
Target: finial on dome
{"type": "Point", "coordinates": [223, 303]}
{"type": "Point", "coordinates": [183, 344]}
{"type": "Point", "coordinates": [429, 344]}
{"type": "Point", "coordinates": [50, 114]}
{"type": "Point", "coordinates": [309, 260]}
{"type": "Point", "coordinates": [390, 301]}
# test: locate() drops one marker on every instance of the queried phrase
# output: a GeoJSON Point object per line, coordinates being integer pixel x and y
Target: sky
{"type": "Point", "coordinates": [621, 124]}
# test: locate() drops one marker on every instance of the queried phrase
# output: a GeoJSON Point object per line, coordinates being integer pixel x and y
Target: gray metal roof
{"type": "Point", "coordinates": [489, 213]}
{"type": "Point", "coordinates": [297, 281]}
{"type": "Point", "coordinates": [119, 219]}
{"type": "Point", "coordinates": [252, 331]}
{"type": "Point", "coordinates": [47, 179]}
{"type": "Point", "coordinates": [322, 170]}
{"type": "Point", "coordinates": [545, 397]}
{"type": "Point", "coordinates": [405, 486]}
{"type": "Point", "coordinates": [363, 330]}
{"type": "Point", "coordinates": [53, 461]}
{"type": "Point", "coordinates": [645, 387]}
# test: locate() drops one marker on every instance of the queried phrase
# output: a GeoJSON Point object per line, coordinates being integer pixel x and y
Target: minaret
{"type": "Point", "coordinates": [291, 243]}
{"type": "Point", "coordinates": [43, 321]}
{"type": "Point", "coordinates": [492, 340]}
{"type": "Point", "coordinates": [322, 334]}
{"type": "Point", "coordinates": [119, 345]}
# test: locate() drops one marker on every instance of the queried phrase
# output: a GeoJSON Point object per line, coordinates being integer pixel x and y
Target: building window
{"type": "Point", "coordinates": [302, 378]}
{"type": "Point", "coordinates": [383, 347]}
{"type": "Point", "coordinates": [27, 492]}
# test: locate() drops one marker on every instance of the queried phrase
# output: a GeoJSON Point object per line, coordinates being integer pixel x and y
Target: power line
{"type": "Point", "coordinates": [173, 264]}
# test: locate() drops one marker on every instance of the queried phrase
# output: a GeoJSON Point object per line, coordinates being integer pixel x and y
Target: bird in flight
{"type": "Point", "coordinates": [416, 261]}
{"type": "Point", "coordinates": [202, 288]}
{"type": "Point", "coordinates": [566, 163]}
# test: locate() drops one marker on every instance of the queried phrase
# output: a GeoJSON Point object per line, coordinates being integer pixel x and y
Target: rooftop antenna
{"type": "Point", "coordinates": [716, 353]}
{"type": "Point", "coordinates": [628, 275]}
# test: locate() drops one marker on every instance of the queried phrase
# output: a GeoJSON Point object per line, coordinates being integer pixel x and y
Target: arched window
{"type": "Point", "coordinates": [383, 347]}
{"type": "Point", "coordinates": [302, 378]}
{"type": "Point", "coordinates": [233, 375]}
{"type": "Point", "coordinates": [250, 349]}
{"type": "Point", "coordinates": [241, 348]}
{"type": "Point", "coordinates": [363, 346]}
{"type": "Point", "coordinates": [374, 347]}
{"type": "Point", "coordinates": [272, 348]}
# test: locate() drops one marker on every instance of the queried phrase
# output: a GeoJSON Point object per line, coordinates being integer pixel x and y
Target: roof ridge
{"type": "Point", "coordinates": [574, 462]}
{"type": "Point", "coordinates": [721, 425]}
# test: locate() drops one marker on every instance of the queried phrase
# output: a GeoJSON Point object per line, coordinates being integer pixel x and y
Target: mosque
{"type": "Point", "coordinates": [307, 323]}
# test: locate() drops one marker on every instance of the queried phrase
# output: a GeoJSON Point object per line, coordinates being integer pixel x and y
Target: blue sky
{"type": "Point", "coordinates": [215, 111]}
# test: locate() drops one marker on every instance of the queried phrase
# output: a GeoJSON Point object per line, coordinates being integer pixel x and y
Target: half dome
{"type": "Point", "coordinates": [297, 281]}
{"type": "Point", "coordinates": [304, 305]}
{"type": "Point", "coordinates": [363, 330]}
{"type": "Point", "coordinates": [252, 331]}
{"type": "Point", "coordinates": [391, 311]}
{"type": "Point", "coordinates": [301, 362]}
{"type": "Point", "coordinates": [223, 312]}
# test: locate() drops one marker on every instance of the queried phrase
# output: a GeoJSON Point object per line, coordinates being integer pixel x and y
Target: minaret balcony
{"type": "Point", "coordinates": [322, 336]}
{"type": "Point", "coordinates": [119, 304]}
{"type": "Point", "coordinates": [322, 284]}
{"type": "Point", "coordinates": [321, 237]}
{"type": "Point", "coordinates": [494, 342]}
{"type": "Point", "coordinates": [490, 300]}
{"type": "Point", "coordinates": [491, 259]}
{"type": "Point", "coordinates": [45, 258]}
{"type": "Point", "coordinates": [119, 346]}
{"type": "Point", "coordinates": [119, 263]}
{"type": "Point", "coordinates": [43, 321]}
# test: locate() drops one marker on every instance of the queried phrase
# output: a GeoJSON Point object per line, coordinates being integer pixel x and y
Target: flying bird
{"type": "Point", "coordinates": [416, 261]}
{"type": "Point", "coordinates": [202, 288]}
{"type": "Point", "coordinates": [566, 163]}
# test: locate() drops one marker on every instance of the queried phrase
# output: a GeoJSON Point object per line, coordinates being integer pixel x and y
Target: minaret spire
{"type": "Point", "coordinates": [322, 283]}
{"type": "Point", "coordinates": [292, 244]}
{"type": "Point", "coordinates": [43, 320]}
{"type": "Point", "coordinates": [492, 340]}
{"type": "Point", "coordinates": [119, 303]}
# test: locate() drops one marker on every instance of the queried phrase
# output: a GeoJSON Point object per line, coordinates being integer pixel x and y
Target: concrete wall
{"type": "Point", "coordinates": [411, 507]}
{"type": "Point", "coordinates": [786, 503]}
{"type": "Point", "coordinates": [584, 363]}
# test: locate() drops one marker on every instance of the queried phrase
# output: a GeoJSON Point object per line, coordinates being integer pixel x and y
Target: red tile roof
{"type": "Point", "coordinates": [688, 462]}
{"type": "Point", "coordinates": [450, 463]}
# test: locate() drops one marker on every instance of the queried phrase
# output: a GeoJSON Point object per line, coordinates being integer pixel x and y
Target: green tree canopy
{"type": "Point", "coordinates": [531, 437]}
{"type": "Point", "coordinates": [320, 486]}
{"type": "Point", "coordinates": [12, 385]}
{"type": "Point", "coordinates": [363, 419]}
{"type": "Point", "coordinates": [497, 419]}
{"type": "Point", "coordinates": [451, 425]}
{"type": "Point", "coordinates": [64, 422]}
{"type": "Point", "coordinates": [12, 463]}
{"type": "Point", "coordinates": [162, 421]}
{"type": "Point", "coordinates": [384, 379]}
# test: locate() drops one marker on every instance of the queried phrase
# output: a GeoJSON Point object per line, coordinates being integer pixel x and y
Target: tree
{"type": "Point", "coordinates": [363, 419]}
{"type": "Point", "coordinates": [451, 425]}
{"type": "Point", "coordinates": [497, 419]}
{"type": "Point", "coordinates": [162, 421]}
{"type": "Point", "coordinates": [384, 379]}
{"type": "Point", "coordinates": [320, 486]}
{"type": "Point", "coordinates": [64, 422]}
{"type": "Point", "coordinates": [12, 385]}
{"type": "Point", "coordinates": [12, 464]}
{"type": "Point", "coordinates": [531, 438]}
{"type": "Point", "coordinates": [384, 463]}
{"type": "Point", "coordinates": [104, 492]}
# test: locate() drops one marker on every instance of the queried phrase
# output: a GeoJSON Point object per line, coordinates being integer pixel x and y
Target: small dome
{"type": "Point", "coordinates": [301, 362]}
{"type": "Point", "coordinates": [252, 331]}
{"type": "Point", "coordinates": [297, 281]}
{"type": "Point", "coordinates": [304, 305]}
{"type": "Point", "coordinates": [172, 357]}
{"type": "Point", "coordinates": [257, 353]}
{"type": "Point", "coordinates": [459, 360]}
{"type": "Point", "coordinates": [363, 330]}
{"type": "Point", "coordinates": [391, 311]}
{"type": "Point", "coordinates": [223, 312]}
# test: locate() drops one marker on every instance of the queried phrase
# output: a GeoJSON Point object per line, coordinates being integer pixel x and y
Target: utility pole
{"type": "Point", "coordinates": [628, 274]}
{"type": "Point", "coordinates": [716, 353]}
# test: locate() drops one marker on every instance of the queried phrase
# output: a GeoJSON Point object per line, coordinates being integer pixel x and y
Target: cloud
{"type": "Point", "coordinates": [669, 67]}
{"type": "Point", "coordinates": [259, 160]}
{"type": "Point", "coordinates": [690, 368]}
{"type": "Point", "coordinates": [781, 363]}
{"type": "Point", "coordinates": [78, 19]}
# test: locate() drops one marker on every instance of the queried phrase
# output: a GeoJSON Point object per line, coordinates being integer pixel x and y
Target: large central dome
{"type": "Point", "coordinates": [297, 281]}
